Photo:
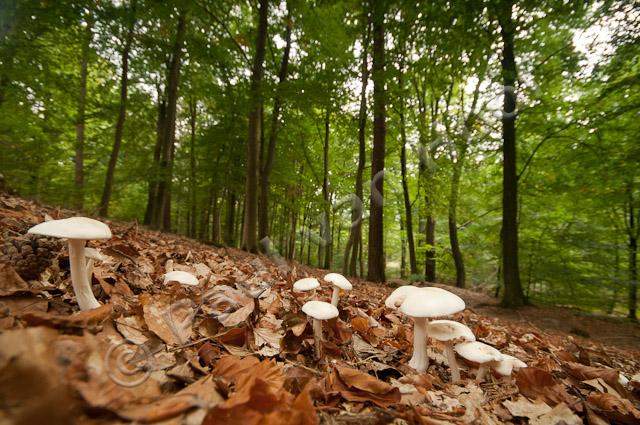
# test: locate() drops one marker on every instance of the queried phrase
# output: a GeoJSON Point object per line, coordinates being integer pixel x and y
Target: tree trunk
{"type": "Point", "coordinates": [192, 169]}
{"type": "Point", "coordinates": [453, 222]}
{"type": "Point", "coordinates": [376, 264]}
{"type": "Point", "coordinates": [326, 218]}
{"type": "Point", "coordinates": [413, 264]}
{"type": "Point", "coordinates": [267, 167]}
{"type": "Point", "coordinates": [162, 217]}
{"type": "Point", "coordinates": [229, 226]}
{"type": "Point", "coordinates": [122, 113]}
{"type": "Point", "coordinates": [152, 197]}
{"type": "Point", "coordinates": [355, 232]}
{"type": "Point", "coordinates": [633, 231]}
{"type": "Point", "coordinates": [78, 199]}
{"type": "Point", "coordinates": [403, 250]}
{"type": "Point", "coordinates": [249, 234]}
{"type": "Point", "coordinates": [513, 294]}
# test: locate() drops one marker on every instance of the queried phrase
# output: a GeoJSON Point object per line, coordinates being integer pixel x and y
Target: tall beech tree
{"type": "Point", "coordinates": [249, 231]}
{"type": "Point", "coordinates": [87, 37]}
{"type": "Point", "coordinates": [376, 260]}
{"type": "Point", "coordinates": [513, 294]}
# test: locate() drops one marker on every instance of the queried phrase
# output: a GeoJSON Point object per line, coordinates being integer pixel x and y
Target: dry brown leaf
{"type": "Point", "coordinates": [522, 407]}
{"type": "Point", "coordinates": [11, 283]}
{"type": "Point", "coordinates": [82, 319]}
{"type": "Point", "coordinates": [537, 383]}
{"type": "Point", "coordinates": [354, 385]}
{"type": "Point", "coordinates": [584, 373]}
{"type": "Point", "coordinates": [171, 320]}
{"type": "Point", "coordinates": [613, 408]}
{"type": "Point", "coordinates": [559, 415]}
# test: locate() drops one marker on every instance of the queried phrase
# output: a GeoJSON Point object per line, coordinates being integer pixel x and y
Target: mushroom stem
{"type": "Point", "coordinates": [453, 364]}
{"type": "Point", "coordinates": [317, 336]}
{"type": "Point", "coordinates": [334, 296]}
{"type": "Point", "coordinates": [420, 359]}
{"type": "Point", "coordinates": [89, 269]}
{"type": "Point", "coordinates": [482, 371]}
{"type": "Point", "coordinates": [81, 285]}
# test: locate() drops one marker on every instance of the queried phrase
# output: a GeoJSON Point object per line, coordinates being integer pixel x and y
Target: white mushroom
{"type": "Point", "coordinates": [508, 364]}
{"type": "Point", "coordinates": [92, 255]}
{"type": "Point", "coordinates": [77, 230]}
{"type": "Point", "coordinates": [398, 296]}
{"type": "Point", "coordinates": [421, 304]}
{"type": "Point", "coordinates": [339, 282]}
{"type": "Point", "coordinates": [447, 331]}
{"type": "Point", "coordinates": [319, 311]}
{"type": "Point", "coordinates": [307, 284]}
{"type": "Point", "coordinates": [181, 277]}
{"type": "Point", "coordinates": [480, 353]}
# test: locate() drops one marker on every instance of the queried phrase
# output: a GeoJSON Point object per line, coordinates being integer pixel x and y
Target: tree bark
{"type": "Point", "coordinates": [229, 238]}
{"type": "Point", "coordinates": [162, 217]}
{"type": "Point", "coordinates": [376, 262]}
{"type": "Point", "coordinates": [453, 223]}
{"type": "Point", "coordinates": [78, 201]}
{"type": "Point", "coordinates": [326, 219]}
{"type": "Point", "coordinates": [157, 152]}
{"type": "Point", "coordinates": [122, 113]}
{"type": "Point", "coordinates": [249, 233]}
{"type": "Point", "coordinates": [355, 232]}
{"type": "Point", "coordinates": [192, 168]}
{"type": "Point", "coordinates": [267, 167]}
{"type": "Point", "coordinates": [513, 294]}
{"type": "Point", "coordinates": [633, 230]}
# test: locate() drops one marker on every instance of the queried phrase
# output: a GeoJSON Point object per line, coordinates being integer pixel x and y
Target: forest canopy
{"type": "Point", "coordinates": [489, 143]}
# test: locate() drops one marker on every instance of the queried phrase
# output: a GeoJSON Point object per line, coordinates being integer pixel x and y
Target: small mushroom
{"type": "Point", "coordinates": [92, 256]}
{"type": "Point", "coordinates": [77, 230]}
{"type": "Point", "coordinates": [339, 282]}
{"type": "Point", "coordinates": [307, 284]}
{"type": "Point", "coordinates": [319, 311]}
{"type": "Point", "coordinates": [448, 331]}
{"type": "Point", "coordinates": [181, 277]}
{"type": "Point", "coordinates": [507, 365]}
{"type": "Point", "coordinates": [422, 304]}
{"type": "Point", "coordinates": [480, 353]}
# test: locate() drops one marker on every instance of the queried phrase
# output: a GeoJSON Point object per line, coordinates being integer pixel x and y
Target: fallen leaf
{"type": "Point", "coordinates": [522, 407]}
{"type": "Point", "coordinates": [614, 408]}
{"type": "Point", "coordinates": [82, 319]}
{"type": "Point", "coordinates": [537, 383]}
{"type": "Point", "coordinates": [559, 415]}
{"type": "Point", "coordinates": [11, 283]}
{"type": "Point", "coordinates": [354, 385]}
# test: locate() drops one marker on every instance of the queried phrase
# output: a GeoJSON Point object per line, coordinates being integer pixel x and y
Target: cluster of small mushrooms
{"type": "Point", "coordinates": [421, 304]}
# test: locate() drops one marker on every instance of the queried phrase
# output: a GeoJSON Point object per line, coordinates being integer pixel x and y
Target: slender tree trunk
{"type": "Point", "coordinates": [267, 167]}
{"type": "Point", "coordinates": [80, 119]}
{"type": "Point", "coordinates": [633, 231]}
{"type": "Point", "coordinates": [403, 250]}
{"type": "Point", "coordinates": [152, 197]}
{"type": "Point", "coordinates": [229, 239]}
{"type": "Point", "coordinates": [326, 217]}
{"type": "Point", "coordinates": [122, 113]}
{"type": "Point", "coordinates": [162, 216]}
{"type": "Point", "coordinates": [513, 294]}
{"type": "Point", "coordinates": [249, 234]}
{"type": "Point", "coordinates": [413, 264]}
{"type": "Point", "coordinates": [376, 264]}
{"type": "Point", "coordinates": [453, 222]}
{"type": "Point", "coordinates": [192, 168]}
{"type": "Point", "coordinates": [355, 232]}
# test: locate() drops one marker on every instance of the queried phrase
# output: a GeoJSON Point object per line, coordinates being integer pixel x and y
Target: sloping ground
{"type": "Point", "coordinates": [237, 349]}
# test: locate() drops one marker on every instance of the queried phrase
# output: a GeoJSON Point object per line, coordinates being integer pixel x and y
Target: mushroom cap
{"type": "Point", "coordinates": [505, 366]}
{"type": "Point", "coordinates": [320, 310]}
{"type": "Point", "coordinates": [398, 296]}
{"type": "Point", "coordinates": [447, 330]}
{"type": "Point", "coordinates": [336, 279]}
{"type": "Point", "coordinates": [306, 284]}
{"type": "Point", "coordinates": [431, 302]}
{"type": "Point", "coordinates": [478, 352]}
{"type": "Point", "coordinates": [82, 228]}
{"type": "Point", "coordinates": [181, 277]}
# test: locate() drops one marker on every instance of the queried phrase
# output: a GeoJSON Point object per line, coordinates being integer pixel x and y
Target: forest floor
{"type": "Point", "coordinates": [237, 349]}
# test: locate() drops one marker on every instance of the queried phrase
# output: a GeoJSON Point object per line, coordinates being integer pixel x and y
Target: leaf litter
{"type": "Point", "coordinates": [238, 350]}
